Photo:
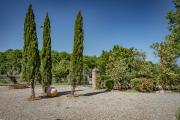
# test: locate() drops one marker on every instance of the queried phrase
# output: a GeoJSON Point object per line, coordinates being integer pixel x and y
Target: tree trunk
{"type": "Point", "coordinates": [13, 79]}
{"type": "Point", "coordinates": [73, 90]}
{"type": "Point", "coordinates": [32, 90]}
{"type": "Point", "coordinates": [45, 88]}
{"type": "Point", "coordinates": [162, 82]}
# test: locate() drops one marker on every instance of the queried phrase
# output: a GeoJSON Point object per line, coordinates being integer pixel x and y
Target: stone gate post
{"type": "Point", "coordinates": [94, 77]}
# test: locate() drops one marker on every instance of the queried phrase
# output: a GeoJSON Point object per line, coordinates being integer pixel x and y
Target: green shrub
{"type": "Point", "coordinates": [178, 114]}
{"type": "Point", "coordinates": [146, 86]}
{"type": "Point", "coordinates": [135, 83]}
{"type": "Point", "coordinates": [98, 83]}
{"type": "Point", "coordinates": [109, 84]}
{"type": "Point", "coordinates": [176, 84]}
{"type": "Point", "coordinates": [3, 81]}
{"type": "Point", "coordinates": [143, 84]}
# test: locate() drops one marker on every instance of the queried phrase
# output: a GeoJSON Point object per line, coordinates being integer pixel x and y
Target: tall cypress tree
{"type": "Point", "coordinates": [46, 62]}
{"type": "Point", "coordinates": [77, 56]}
{"type": "Point", "coordinates": [31, 59]}
{"type": "Point", "coordinates": [26, 44]}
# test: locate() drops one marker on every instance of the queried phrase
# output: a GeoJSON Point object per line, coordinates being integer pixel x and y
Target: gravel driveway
{"type": "Point", "coordinates": [90, 105]}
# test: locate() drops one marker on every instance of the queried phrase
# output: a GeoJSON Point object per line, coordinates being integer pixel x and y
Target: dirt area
{"type": "Point", "coordinates": [90, 105]}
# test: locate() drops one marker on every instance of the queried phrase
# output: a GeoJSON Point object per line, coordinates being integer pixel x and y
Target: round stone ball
{"type": "Point", "coordinates": [52, 92]}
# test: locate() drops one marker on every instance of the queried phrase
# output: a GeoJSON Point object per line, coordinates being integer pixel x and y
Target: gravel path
{"type": "Point", "coordinates": [91, 105]}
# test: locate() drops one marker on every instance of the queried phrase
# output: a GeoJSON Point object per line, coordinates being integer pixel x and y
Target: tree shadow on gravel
{"type": "Point", "coordinates": [61, 93]}
{"type": "Point", "coordinates": [94, 93]}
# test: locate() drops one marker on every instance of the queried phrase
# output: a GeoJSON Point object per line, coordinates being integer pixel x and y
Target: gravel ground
{"type": "Point", "coordinates": [90, 105]}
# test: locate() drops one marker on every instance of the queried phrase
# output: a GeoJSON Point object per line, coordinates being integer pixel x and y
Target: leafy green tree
{"type": "Point", "coordinates": [10, 60]}
{"type": "Point", "coordinates": [169, 50]}
{"type": "Point", "coordinates": [89, 63]}
{"type": "Point", "coordinates": [167, 73]}
{"type": "Point", "coordinates": [120, 65]}
{"type": "Point", "coordinates": [31, 58]}
{"type": "Point", "coordinates": [55, 57]}
{"type": "Point", "coordinates": [10, 64]}
{"type": "Point", "coordinates": [117, 71]}
{"type": "Point", "coordinates": [61, 71]}
{"type": "Point", "coordinates": [58, 56]}
{"type": "Point", "coordinates": [124, 64]}
{"type": "Point", "coordinates": [46, 61]}
{"type": "Point", "coordinates": [60, 66]}
{"type": "Point", "coordinates": [146, 69]}
{"type": "Point", "coordinates": [64, 56]}
{"type": "Point", "coordinates": [102, 62]}
{"type": "Point", "coordinates": [3, 60]}
{"type": "Point", "coordinates": [77, 55]}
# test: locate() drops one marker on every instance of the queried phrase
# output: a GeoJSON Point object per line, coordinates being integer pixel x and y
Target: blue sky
{"type": "Point", "coordinates": [130, 23]}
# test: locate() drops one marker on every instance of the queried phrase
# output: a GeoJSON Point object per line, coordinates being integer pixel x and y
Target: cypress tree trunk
{"type": "Point", "coordinates": [73, 89]}
{"type": "Point", "coordinates": [32, 90]}
{"type": "Point", "coordinates": [45, 88]}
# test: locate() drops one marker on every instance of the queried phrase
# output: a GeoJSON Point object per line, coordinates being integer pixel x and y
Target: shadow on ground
{"type": "Point", "coordinates": [59, 94]}
{"type": "Point", "coordinates": [94, 93]}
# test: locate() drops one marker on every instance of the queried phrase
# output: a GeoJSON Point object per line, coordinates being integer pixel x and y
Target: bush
{"type": "Point", "coordinates": [143, 85]}
{"type": "Point", "coordinates": [178, 114]}
{"type": "Point", "coordinates": [3, 81]}
{"type": "Point", "coordinates": [135, 83]}
{"type": "Point", "coordinates": [100, 82]}
{"type": "Point", "coordinates": [146, 86]}
{"type": "Point", "coordinates": [109, 84]}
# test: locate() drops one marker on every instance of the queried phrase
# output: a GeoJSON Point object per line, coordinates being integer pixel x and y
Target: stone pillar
{"type": "Point", "coordinates": [94, 77]}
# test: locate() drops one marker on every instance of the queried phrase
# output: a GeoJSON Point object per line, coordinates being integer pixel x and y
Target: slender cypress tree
{"type": "Point", "coordinates": [31, 59]}
{"type": "Point", "coordinates": [46, 62]}
{"type": "Point", "coordinates": [26, 44]}
{"type": "Point", "coordinates": [77, 56]}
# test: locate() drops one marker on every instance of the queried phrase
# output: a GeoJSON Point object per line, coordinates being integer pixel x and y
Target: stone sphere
{"type": "Point", "coordinates": [52, 92]}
